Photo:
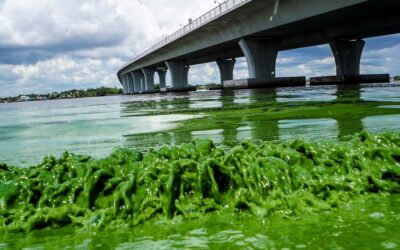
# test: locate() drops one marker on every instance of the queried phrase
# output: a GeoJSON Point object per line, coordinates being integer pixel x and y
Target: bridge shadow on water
{"type": "Point", "coordinates": [238, 115]}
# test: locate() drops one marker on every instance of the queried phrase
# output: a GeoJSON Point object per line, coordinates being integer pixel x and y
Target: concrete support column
{"type": "Point", "coordinates": [130, 87]}
{"type": "Point", "coordinates": [162, 73]}
{"type": "Point", "coordinates": [124, 85]}
{"type": "Point", "coordinates": [226, 69]}
{"type": "Point", "coordinates": [347, 55]}
{"type": "Point", "coordinates": [134, 87]}
{"type": "Point", "coordinates": [261, 57]}
{"type": "Point", "coordinates": [137, 79]}
{"type": "Point", "coordinates": [143, 81]}
{"type": "Point", "coordinates": [179, 73]}
{"type": "Point", "coordinates": [186, 75]}
{"type": "Point", "coordinates": [149, 78]}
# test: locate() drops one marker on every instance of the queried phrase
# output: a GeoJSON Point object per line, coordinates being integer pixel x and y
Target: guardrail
{"type": "Point", "coordinates": [213, 14]}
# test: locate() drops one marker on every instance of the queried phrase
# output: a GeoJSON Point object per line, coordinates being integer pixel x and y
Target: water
{"type": "Point", "coordinates": [94, 126]}
{"type": "Point", "coordinates": [356, 226]}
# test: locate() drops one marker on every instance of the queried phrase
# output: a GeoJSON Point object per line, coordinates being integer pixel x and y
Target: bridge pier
{"type": "Point", "coordinates": [134, 87]}
{"type": "Point", "coordinates": [179, 76]}
{"type": "Point", "coordinates": [124, 85]}
{"type": "Point", "coordinates": [226, 69]}
{"type": "Point", "coordinates": [261, 57]}
{"type": "Point", "coordinates": [162, 73]}
{"type": "Point", "coordinates": [347, 55]}
{"type": "Point", "coordinates": [149, 79]}
{"type": "Point", "coordinates": [137, 76]}
{"type": "Point", "coordinates": [130, 83]}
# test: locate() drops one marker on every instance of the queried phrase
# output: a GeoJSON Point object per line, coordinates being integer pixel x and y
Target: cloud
{"type": "Point", "coordinates": [53, 45]}
{"type": "Point", "coordinates": [383, 60]}
{"type": "Point", "coordinates": [37, 30]}
{"type": "Point", "coordinates": [62, 73]}
{"type": "Point", "coordinates": [40, 37]}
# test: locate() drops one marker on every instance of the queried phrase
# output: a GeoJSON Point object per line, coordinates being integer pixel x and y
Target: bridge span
{"type": "Point", "coordinates": [258, 30]}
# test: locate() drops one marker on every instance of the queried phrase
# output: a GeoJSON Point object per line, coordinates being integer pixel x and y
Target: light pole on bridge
{"type": "Point", "coordinates": [219, 5]}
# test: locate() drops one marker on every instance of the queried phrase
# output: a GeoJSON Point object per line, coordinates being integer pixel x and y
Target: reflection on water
{"type": "Point", "coordinates": [309, 128]}
{"type": "Point", "coordinates": [307, 94]}
{"type": "Point", "coordinates": [94, 126]}
{"type": "Point", "coordinates": [375, 124]}
{"type": "Point", "coordinates": [385, 93]}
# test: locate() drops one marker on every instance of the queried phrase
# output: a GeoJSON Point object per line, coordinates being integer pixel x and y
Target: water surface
{"type": "Point", "coordinates": [94, 126]}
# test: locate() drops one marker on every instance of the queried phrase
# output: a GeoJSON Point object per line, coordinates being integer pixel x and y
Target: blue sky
{"type": "Point", "coordinates": [54, 45]}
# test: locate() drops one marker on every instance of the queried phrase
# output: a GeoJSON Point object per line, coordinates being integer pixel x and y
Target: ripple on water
{"type": "Point", "coordinates": [227, 236]}
{"type": "Point", "coordinates": [377, 215]}
{"type": "Point", "coordinates": [258, 241]}
{"type": "Point", "coordinates": [390, 107]}
{"type": "Point", "coordinates": [145, 244]}
{"type": "Point", "coordinates": [389, 245]}
{"type": "Point", "coordinates": [193, 242]}
{"type": "Point", "coordinates": [200, 231]}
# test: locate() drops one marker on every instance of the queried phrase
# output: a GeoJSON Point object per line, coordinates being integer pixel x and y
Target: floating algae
{"type": "Point", "coordinates": [128, 187]}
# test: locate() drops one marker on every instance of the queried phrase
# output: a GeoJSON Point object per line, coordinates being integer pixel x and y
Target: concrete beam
{"type": "Point", "coordinates": [137, 76]}
{"type": "Point", "coordinates": [226, 69]}
{"type": "Point", "coordinates": [149, 78]}
{"type": "Point", "coordinates": [347, 55]}
{"type": "Point", "coordinates": [261, 57]}
{"type": "Point", "coordinates": [162, 74]}
{"type": "Point", "coordinates": [179, 73]}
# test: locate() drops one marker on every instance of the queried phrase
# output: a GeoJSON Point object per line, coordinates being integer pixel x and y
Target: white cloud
{"type": "Point", "coordinates": [53, 45]}
{"type": "Point", "coordinates": [324, 61]}
{"type": "Point", "coordinates": [57, 44]}
{"type": "Point", "coordinates": [63, 73]}
{"type": "Point", "coordinates": [386, 60]}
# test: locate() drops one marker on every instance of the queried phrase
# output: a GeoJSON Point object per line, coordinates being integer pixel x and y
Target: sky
{"type": "Point", "coordinates": [55, 45]}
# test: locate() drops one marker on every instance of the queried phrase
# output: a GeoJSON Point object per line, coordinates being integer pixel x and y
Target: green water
{"type": "Point", "coordinates": [356, 226]}
{"type": "Point", "coordinates": [336, 194]}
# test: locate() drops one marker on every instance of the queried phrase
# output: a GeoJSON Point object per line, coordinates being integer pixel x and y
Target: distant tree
{"type": "Point", "coordinates": [397, 78]}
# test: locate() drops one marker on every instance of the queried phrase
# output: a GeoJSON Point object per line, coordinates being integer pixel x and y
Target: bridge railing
{"type": "Point", "coordinates": [218, 11]}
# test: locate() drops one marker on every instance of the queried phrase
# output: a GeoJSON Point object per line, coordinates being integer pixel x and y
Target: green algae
{"type": "Point", "coordinates": [128, 187]}
{"type": "Point", "coordinates": [263, 113]}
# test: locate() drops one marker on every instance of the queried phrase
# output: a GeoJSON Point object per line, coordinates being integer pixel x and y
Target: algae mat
{"type": "Point", "coordinates": [265, 184]}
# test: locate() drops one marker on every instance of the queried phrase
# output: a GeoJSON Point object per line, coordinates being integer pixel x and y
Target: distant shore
{"type": "Point", "coordinates": [70, 94]}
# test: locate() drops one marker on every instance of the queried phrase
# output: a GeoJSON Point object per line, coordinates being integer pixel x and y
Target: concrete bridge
{"type": "Point", "coordinates": [258, 30]}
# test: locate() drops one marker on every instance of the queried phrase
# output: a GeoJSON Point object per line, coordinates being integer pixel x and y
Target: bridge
{"type": "Point", "coordinates": [258, 30]}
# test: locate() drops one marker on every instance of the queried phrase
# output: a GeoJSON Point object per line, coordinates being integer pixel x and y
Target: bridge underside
{"type": "Point", "coordinates": [298, 24]}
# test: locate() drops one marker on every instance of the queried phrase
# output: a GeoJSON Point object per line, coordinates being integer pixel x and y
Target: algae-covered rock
{"type": "Point", "coordinates": [128, 187]}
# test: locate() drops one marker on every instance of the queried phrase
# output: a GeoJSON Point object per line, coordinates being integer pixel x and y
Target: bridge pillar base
{"type": "Point", "coordinates": [137, 76]}
{"type": "Point", "coordinates": [162, 73]}
{"type": "Point", "coordinates": [344, 80]}
{"type": "Point", "coordinates": [253, 83]}
{"type": "Point", "coordinates": [261, 57]}
{"type": "Point", "coordinates": [226, 69]}
{"type": "Point", "coordinates": [182, 89]}
{"type": "Point", "coordinates": [149, 79]}
{"type": "Point", "coordinates": [179, 74]}
{"type": "Point", "coordinates": [347, 55]}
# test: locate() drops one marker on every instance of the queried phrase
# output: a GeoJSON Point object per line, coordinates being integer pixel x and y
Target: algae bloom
{"type": "Point", "coordinates": [128, 187]}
